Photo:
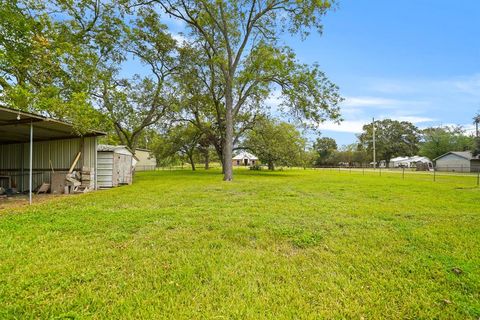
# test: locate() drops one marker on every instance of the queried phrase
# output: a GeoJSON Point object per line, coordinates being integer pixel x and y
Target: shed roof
{"type": "Point", "coordinates": [245, 155]}
{"type": "Point", "coordinates": [117, 149]}
{"type": "Point", "coordinates": [15, 127]}
{"type": "Point", "coordinates": [463, 154]}
{"type": "Point", "coordinates": [110, 148]}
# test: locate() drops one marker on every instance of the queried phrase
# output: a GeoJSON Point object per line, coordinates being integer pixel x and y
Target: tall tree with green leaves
{"type": "Point", "coordinates": [393, 138]}
{"type": "Point", "coordinates": [324, 147]}
{"type": "Point", "coordinates": [48, 61]}
{"type": "Point", "coordinates": [201, 100]}
{"type": "Point", "coordinates": [440, 140]}
{"type": "Point", "coordinates": [276, 143]}
{"type": "Point", "coordinates": [148, 98]}
{"type": "Point", "coordinates": [183, 141]}
{"type": "Point", "coordinates": [239, 40]}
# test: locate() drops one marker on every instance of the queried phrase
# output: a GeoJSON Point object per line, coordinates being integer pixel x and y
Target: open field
{"type": "Point", "coordinates": [297, 244]}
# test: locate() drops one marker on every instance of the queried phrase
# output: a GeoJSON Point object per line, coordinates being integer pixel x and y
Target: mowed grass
{"type": "Point", "coordinates": [298, 244]}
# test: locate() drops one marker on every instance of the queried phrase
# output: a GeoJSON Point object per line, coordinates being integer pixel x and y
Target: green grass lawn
{"type": "Point", "coordinates": [283, 245]}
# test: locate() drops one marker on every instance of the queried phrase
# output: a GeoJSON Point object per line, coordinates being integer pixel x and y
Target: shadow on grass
{"type": "Point", "coordinates": [213, 172]}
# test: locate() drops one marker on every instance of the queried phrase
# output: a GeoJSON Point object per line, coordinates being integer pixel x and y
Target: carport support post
{"type": "Point", "coordinates": [30, 174]}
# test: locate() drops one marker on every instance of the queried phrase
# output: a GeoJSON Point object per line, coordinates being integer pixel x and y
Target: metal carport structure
{"type": "Point", "coordinates": [56, 143]}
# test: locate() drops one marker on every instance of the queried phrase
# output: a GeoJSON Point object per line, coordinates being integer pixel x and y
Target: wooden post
{"type": "Point", "coordinates": [30, 174]}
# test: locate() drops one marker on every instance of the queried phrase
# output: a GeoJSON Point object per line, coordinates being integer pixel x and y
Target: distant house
{"type": "Point", "coordinates": [146, 160]}
{"type": "Point", "coordinates": [244, 159]}
{"type": "Point", "coordinates": [458, 161]}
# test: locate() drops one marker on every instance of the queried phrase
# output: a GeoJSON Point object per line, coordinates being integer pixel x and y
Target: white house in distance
{"type": "Point", "coordinates": [458, 161]}
{"type": "Point", "coordinates": [146, 160]}
{"type": "Point", "coordinates": [244, 159]}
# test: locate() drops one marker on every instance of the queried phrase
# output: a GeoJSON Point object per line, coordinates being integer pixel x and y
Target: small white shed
{"type": "Point", "coordinates": [115, 165]}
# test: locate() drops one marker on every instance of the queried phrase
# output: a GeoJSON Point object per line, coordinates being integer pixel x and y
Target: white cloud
{"type": "Point", "coordinates": [180, 38]}
{"type": "Point", "coordinates": [413, 119]}
{"type": "Point", "coordinates": [469, 85]}
{"type": "Point", "coordinates": [353, 103]}
{"type": "Point", "coordinates": [355, 126]}
{"type": "Point", "coordinates": [368, 102]}
{"type": "Point", "coordinates": [349, 126]}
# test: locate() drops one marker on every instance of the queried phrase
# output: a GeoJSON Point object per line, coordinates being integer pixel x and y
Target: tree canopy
{"type": "Point", "coordinates": [276, 143]}
{"type": "Point", "coordinates": [393, 138]}
{"type": "Point", "coordinates": [440, 140]}
{"type": "Point", "coordinates": [324, 147]}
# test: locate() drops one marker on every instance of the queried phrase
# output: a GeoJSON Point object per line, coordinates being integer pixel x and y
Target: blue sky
{"type": "Point", "coordinates": [416, 60]}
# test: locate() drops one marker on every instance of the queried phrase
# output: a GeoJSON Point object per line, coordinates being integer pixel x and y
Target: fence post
{"type": "Point", "coordinates": [434, 175]}
{"type": "Point", "coordinates": [403, 173]}
{"type": "Point", "coordinates": [380, 171]}
{"type": "Point", "coordinates": [363, 170]}
{"type": "Point", "coordinates": [478, 177]}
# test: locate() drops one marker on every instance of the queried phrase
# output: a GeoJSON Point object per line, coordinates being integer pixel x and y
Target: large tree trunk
{"type": "Point", "coordinates": [218, 149]}
{"type": "Point", "coordinates": [271, 166]}
{"type": "Point", "coordinates": [228, 146]}
{"type": "Point", "coordinates": [192, 163]}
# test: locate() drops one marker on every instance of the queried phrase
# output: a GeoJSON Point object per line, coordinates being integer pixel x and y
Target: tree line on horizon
{"type": "Point", "coordinates": [277, 143]}
{"type": "Point", "coordinates": [395, 139]}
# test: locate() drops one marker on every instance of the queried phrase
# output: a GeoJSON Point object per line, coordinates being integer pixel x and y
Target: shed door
{"type": "Point", "coordinates": [105, 169]}
{"type": "Point", "coordinates": [123, 167]}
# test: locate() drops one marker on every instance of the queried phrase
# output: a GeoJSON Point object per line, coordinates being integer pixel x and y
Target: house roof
{"type": "Point", "coordinates": [15, 127]}
{"type": "Point", "coordinates": [463, 154]}
{"type": "Point", "coordinates": [245, 155]}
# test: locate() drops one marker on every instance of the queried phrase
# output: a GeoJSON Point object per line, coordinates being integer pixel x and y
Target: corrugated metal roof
{"type": "Point", "coordinates": [463, 154]}
{"type": "Point", "coordinates": [109, 147]}
{"type": "Point", "coordinates": [15, 127]}
{"type": "Point", "coordinates": [119, 149]}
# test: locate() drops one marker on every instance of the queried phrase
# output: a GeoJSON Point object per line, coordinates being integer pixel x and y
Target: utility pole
{"type": "Point", "coordinates": [374, 153]}
{"type": "Point", "coordinates": [476, 121]}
